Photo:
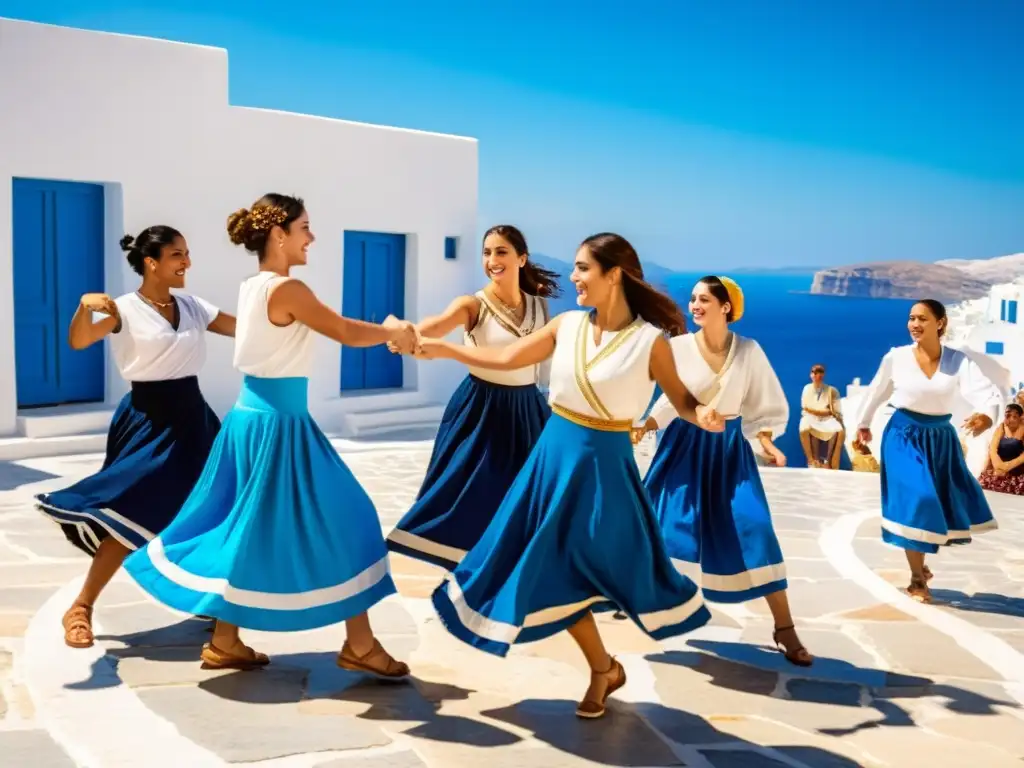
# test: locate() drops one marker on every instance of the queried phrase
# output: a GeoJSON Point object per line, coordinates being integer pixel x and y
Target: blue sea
{"type": "Point", "coordinates": [797, 329]}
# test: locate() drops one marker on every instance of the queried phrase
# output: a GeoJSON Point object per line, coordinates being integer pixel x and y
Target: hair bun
{"type": "Point", "coordinates": [127, 242]}
{"type": "Point", "coordinates": [238, 226]}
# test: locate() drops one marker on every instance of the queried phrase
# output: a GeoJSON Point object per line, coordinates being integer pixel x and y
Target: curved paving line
{"type": "Point", "coordinates": [101, 727]}
{"type": "Point", "coordinates": [836, 543]}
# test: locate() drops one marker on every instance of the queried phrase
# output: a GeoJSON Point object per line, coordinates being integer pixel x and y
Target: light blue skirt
{"type": "Point", "coordinates": [713, 512]}
{"type": "Point", "coordinates": [929, 496]}
{"type": "Point", "coordinates": [485, 437]}
{"type": "Point", "coordinates": [575, 534]}
{"type": "Point", "coordinates": [277, 534]}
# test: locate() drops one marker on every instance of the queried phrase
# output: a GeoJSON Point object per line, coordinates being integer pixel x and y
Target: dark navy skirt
{"type": "Point", "coordinates": [485, 437]}
{"type": "Point", "coordinates": [929, 496]}
{"type": "Point", "coordinates": [575, 534]}
{"type": "Point", "coordinates": [711, 505]}
{"type": "Point", "coordinates": [159, 438]}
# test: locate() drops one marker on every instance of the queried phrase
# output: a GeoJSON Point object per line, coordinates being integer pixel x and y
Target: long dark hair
{"type": "Point", "coordinates": [250, 227]}
{"type": "Point", "coordinates": [717, 289]}
{"type": "Point", "coordinates": [938, 309]}
{"type": "Point", "coordinates": [533, 279]}
{"type": "Point", "coordinates": [148, 244]}
{"type": "Point", "coordinates": [611, 250]}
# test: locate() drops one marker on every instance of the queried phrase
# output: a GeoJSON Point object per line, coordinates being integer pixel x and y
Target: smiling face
{"type": "Point", "coordinates": [922, 323]}
{"type": "Point", "coordinates": [594, 286]}
{"type": "Point", "coordinates": [295, 240]}
{"type": "Point", "coordinates": [501, 261]}
{"type": "Point", "coordinates": [1012, 419]}
{"type": "Point", "coordinates": [172, 265]}
{"type": "Point", "coordinates": [705, 309]}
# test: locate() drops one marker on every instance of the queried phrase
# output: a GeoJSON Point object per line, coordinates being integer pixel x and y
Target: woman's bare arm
{"type": "Point", "coordinates": [223, 325]}
{"type": "Point", "coordinates": [293, 301]}
{"type": "Point", "coordinates": [528, 350]}
{"type": "Point", "coordinates": [461, 312]}
{"type": "Point", "coordinates": [83, 332]}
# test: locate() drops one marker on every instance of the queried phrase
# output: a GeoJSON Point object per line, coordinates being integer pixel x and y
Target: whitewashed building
{"type": "Point", "coordinates": [103, 134]}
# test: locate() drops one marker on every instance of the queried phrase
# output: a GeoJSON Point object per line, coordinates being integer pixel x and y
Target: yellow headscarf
{"type": "Point", "coordinates": [735, 297]}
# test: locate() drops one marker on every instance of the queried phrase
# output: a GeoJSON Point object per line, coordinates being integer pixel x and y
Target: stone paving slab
{"type": "Point", "coordinates": [35, 748]}
{"type": "Point", "coordinates": [887, 690]}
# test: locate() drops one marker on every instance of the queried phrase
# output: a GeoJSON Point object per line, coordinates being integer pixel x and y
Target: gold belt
{"type": "Point", "coordinates": [592, 422]}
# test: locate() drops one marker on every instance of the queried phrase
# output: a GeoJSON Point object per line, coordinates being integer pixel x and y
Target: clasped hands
{"type": "Point", "coordinates": [707, 418]}
{"type": "Point", "coordinates": [407, 339]}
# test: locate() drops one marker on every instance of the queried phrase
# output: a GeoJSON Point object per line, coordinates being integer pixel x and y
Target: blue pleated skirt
{"type": "Point", "coordinates": [485, 437]}
{"type": "Point", "coordinates": [929, 496]}
{"type": "Point", "coordinates": [277, 534]}
{"type": "Point", "coordinates": [714, 515]}
{"type": "Point", "coordinates": [157, 445]}
{"type": "Point", "coordinates": [575, 533]}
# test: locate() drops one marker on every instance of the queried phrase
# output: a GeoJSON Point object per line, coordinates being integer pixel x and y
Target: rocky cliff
{"type": "Point", "coordinates": [900, 280]}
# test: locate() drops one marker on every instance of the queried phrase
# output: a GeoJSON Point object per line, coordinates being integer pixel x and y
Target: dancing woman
{"type": "Point", "coordinates": [277, 534]}
{"type": "Point", "coordinates": [162, 429]}
{"type": "Point", "coordinates": [494, 418]}
{"type": "Point", "coordinates": [576, 533]}
{"type": "Point", "coordinates": [929, 496]}
{"type": "Point", "coordinates": [705, 487]}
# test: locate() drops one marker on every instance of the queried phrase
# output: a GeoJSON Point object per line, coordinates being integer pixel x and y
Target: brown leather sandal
{"type": "Point", "coordinates": [591, 709]}
{"type": "Point", "coordinates": [798, 657]}
{"type": "Point", "coordinates": [214, 658]}
{"type": "Point", "coordinates": [918, 589]}
{"type": "Point", "coordinates": [78, 621]}
{"type": "Point", "coordinates": [377, 663]}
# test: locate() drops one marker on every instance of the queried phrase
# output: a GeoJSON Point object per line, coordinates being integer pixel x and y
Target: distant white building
{"type": "Point", "coordinates": [104, 134]}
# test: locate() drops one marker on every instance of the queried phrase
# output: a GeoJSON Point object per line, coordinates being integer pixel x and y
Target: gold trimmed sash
{"type": "Point", "coordinates": [712, 393]}
{"type": "Point", "coordinates": [508, 323]}
{"type": "Point", "coordinates": [583, 366]}
{"type": "Point", "coordinates": [604, 425]}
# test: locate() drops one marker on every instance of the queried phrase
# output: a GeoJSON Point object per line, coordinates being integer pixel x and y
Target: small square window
{"type": "Point", "coordinates": [451, 248]}
{"type": "Point", "coordinates": [993, 347]}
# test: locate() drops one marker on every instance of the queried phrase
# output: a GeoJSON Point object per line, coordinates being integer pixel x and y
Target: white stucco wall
{"type": "Point", "coordinates": [150, 119]}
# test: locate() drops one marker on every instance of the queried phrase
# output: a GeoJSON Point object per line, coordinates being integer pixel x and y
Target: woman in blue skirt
{"type": "Point", "coordinates": [277, 534]}
{"type": "Point", "coordinates": [705, 487]}
{"type": "Point", "coordinates": [576, 533]}
{"type": "Point", "coordinates": [493, 419]}
{"type": "Point", "coordinates": [929, 496]}
{"type": "Point", "coordinates": [162, 430]}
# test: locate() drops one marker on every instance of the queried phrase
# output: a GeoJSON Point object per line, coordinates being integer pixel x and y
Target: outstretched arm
{"type": "Point", "coordinates": [223, 325]}
{"type": "Point", "coordinates": [528, 350]}
{"type": "Point", "coordinates": [461, 312]}
{"type": "Point", "coordinates": [293, 301]}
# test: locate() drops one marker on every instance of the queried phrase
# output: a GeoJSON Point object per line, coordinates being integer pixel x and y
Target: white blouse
{"type": "Point", "coordinates": [261, 348]}
{"type": "Point", "coordinates": [496, 328]}
{"type": "Point", "coordinates": [609, 380]}
{"type": "Point", "coordinates": [149, 348]}
{"type": "Point", "coordinates": [746, 387]}
{"type": "Point", "coordinates": [902, 383]}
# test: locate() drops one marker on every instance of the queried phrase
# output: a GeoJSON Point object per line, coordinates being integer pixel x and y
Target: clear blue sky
{"type": "Point", "coordinates": [726, 132]}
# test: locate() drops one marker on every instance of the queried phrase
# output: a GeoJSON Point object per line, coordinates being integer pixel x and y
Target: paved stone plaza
{"type": "Point", "coordinates": [895, 684]}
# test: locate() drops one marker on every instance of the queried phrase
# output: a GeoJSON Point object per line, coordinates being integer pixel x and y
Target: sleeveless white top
{"type": "Point", "coordinates": [610, 380]}
{"type": "Point", "coordinates": [261, 348]}
{"type": "Point", "coordinates": [495, 327]}
{"type": "Point", "coordinates": [149, 348]}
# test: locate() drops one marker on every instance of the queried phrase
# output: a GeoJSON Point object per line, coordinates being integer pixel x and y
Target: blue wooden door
{"type": "Point", "coordinates": [373, 288]}
{"type": "Point", "coordinates": [58, 256]}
